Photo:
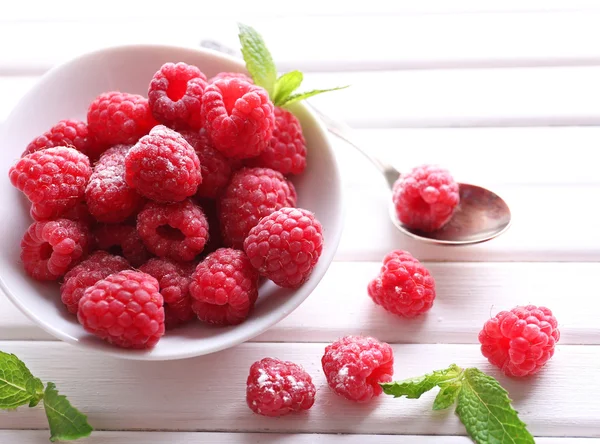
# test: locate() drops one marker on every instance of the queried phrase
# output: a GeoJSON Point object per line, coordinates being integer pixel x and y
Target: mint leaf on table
{"type": "Point", "coordinates": [261, 67]}
{"type": "Point", "coordinates": [17, 385]}
{"type": "Point", "coordinates": [66, 422]}
{"type": "Point", "coordinates": [413, 388]}
{"type": "Point", "coordinates": [259, 62]}
{"type": "Point", "coordinates": [482, 405]}
{"type": "Point", "coordinates": [484, 408]}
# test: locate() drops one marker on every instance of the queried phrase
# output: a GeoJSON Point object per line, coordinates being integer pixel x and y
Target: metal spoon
{"type": "Point", "coordinates": [481, 215]}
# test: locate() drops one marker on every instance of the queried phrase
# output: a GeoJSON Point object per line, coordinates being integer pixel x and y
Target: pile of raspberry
{"type": "Point", "coordinates": [168, 209]}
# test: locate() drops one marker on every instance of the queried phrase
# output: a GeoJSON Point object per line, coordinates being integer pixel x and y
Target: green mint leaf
{"type": "Point", "coordinates": [286, 85]}
{"type": "Point", "coordinates": [447, 395]}
{"type": "Point", "coordinates": [485, 409]}
{"type": "Point", "coordinates": [305, 95]}
{"type": "Point", "coordinates": [66, 422]}
{"type": "Point", "coordinates": [413, 388]}
{"type": "Point", "coordinates": [259, 62]}
{"type": "Point", "coordinates": [17, 384]}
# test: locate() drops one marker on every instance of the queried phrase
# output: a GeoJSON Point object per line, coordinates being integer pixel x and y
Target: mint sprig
{"type": "Point", "coordinates": [19, 387]}
{"type": "Point", "coordinates": [261, 67]}
{"type": "Point", "coordinates": [482, 405]}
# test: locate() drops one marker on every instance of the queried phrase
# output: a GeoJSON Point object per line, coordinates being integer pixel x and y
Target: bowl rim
{"type": "Point", "coordinates": [333, 239]}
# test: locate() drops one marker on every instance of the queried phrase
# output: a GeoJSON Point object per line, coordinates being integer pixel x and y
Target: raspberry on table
{"type": "Point", "coordinates": [214, 167]}
{"type": "Point", "coordinates": [53, 179]}
{"type": "Point", "coordinates": [355, 365]}
{"type": "Point", "coordinates": [231, 75]}
{"type": "Point", "coordinates": [252, 194]}
{"type": "Point", "coordinates": [124, 309]}
{"type": "Point", "coordinates": [117, 117]}
{"type": "Point", "coordinates": [404, 286]}
{"type": "Point", "coordinates": [175, 95]}
{"type": "Point", "coordinates": [108, 197]}
{"type": "Point", "coordinates": [71, 133]}
{"type": "Point", "coordinates": [520, 341]}
{"type": "Point", "coordinates": [122, 240]}
{"type": "Point", "coordinates": [276, 388]}
{"type": "Point", "coordinates": [238, 117]}
{"type": "Point", "coordinates": [98, 266]}
{"type": "Point", "coordinates": [50, 248]}
{"type": "Point", "coordinates": [286, 151]}
{"type": "Point", "coordinates": [177, 231]}
{"type": "Point", "coordinates": [425, 198]}
{"type": "Point", "coordinates": [285, 246]}
{"type": "Point", "coordinates": [163, 166]}
{"type": "Point", "coordinates": [224, 287]}
{"type": "Point", "coordinates": [174, 282]}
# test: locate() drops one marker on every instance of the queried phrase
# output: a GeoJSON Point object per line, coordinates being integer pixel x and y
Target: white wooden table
{"type": "Point", "coordinates": [503, 93]}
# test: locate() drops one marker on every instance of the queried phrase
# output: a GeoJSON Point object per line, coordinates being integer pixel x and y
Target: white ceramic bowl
{"type": "Point", "coordinates": [65, 92]}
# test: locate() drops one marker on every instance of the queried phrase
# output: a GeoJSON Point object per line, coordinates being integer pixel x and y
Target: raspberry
{"type": "Point", "coordinates": [177, 231]}
{"type": "Point", "coordinates": [124, 309]}
{"type": "Point", "coordinates": [520, 341]}
{"type": "Point", "coordinates": [117, 117]}
{"type": "Point", "coordinates": [425, 198]}
{"type": "Point", "coordinates": [285, 246]}
{"type": "Point", "coordinates": [71, 133]}
{"type": "Point", "coordinates": [122, 240]}
{"type": "Point", "coordinates": [231, 75]}
{"type": "Point", "coordinates": [252, 194]}
{"type": "Point", "coordinates": [238, 117]}
{"type": "Point", "coordinates": [286, 151]}
{"type": "Point", "coordinates": [215, 167]}
{"type": "Point", "coordinates": [404, 286]}
{"type": "Point", "coordinates": [53, 179]}
{"type": "Point", "coordinates": [49, 249]}
{"type": "Point", "coordinates": [162, 166]}
{"type": "Point", "coordinates": [98, 266]}
{"type": "Point", "coordinates": [224, 287]}
{"type": "Point", "coordinates": [354, 366]}
{"type": "Point", "coordinates": [174, 281]}
{"type": "Point", "coordinates": [175, 95]}
{"type": "Point", "coordinates": [277, 388]}
{"type": "Point", "coordinates": [108, 197]}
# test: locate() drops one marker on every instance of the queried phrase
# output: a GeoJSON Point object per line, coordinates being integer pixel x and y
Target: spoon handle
{"type": "Point", "coordinates": [344, 132]}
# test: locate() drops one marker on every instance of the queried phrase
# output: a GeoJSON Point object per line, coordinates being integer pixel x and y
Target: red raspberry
{"type": "Point", "coordinates": [162, 166]}
{"type": "Point", "coordinates": [354, 366]}
{"type": "Point", "coordinates": [277, 388]}
{"type": "Point", "coordinates": [49, 249]}
{"type": "Point", "coordinates": [98, 266]}
{"type": "Point", "coordinates": [285, 246]}
{"type": "Point", "coordinates": [122, 240]}
{"type": "Point", "coordinates": [215, 167]}
{"type": "Point", "coordinates": [177, 231]}
{"type": "Point", "coordinates": [71, 133]}
{"type": "Point", "coordinates": [286, 151]}
{"type": "Point", "coordinates": [53, 179]}
{"type": "Point", "coordinates": [231, 75]}
{"type": "Point", "coordinates": [117, 117]}
{"type": "Point", "coordinates": [108, 197]}
{"type": "Point", "coordinates": [425, 198]}
{"type": "Point", "coordinates": [238, 117]}
{"type": "Point", "coordinates": [252, 194]}
{"type": "Point", "coordinates": [404, 286]}
{"type": "Point", "coordinates": [174, 281]}
{"type": "Point", "coordinates": [175, 95]}
{"type": "Point", "coordinates": [520, 341]}
{"type": "Point", "coordinates": [124, 309]}
{"type": "Point", "coordinates": [224, 287]}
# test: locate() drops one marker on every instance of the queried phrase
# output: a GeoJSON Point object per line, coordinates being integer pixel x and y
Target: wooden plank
{"type": "Point", "coordinates": [207, 394]}
{"type": "Point", "coordinates": [467, 295]}
{"type": "Point", "coordinates": [385, 41]}
{"type": "Point", "coordinates": [123, 437]}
